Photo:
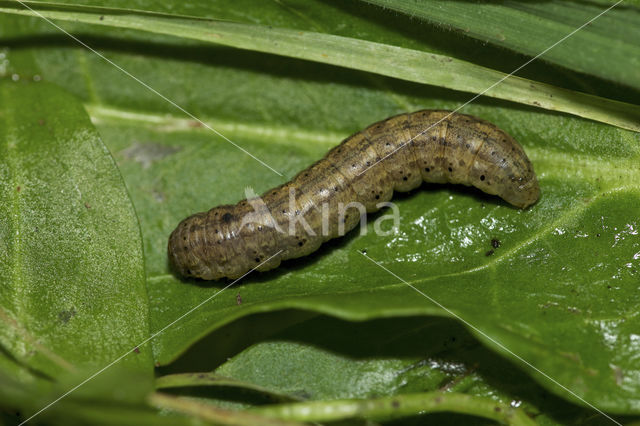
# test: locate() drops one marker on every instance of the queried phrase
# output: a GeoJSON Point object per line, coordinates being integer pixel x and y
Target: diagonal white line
{"type": "Point", "coordinates": [145, 341]}
{"type": "Point", "coordinates": [495, 84]}
{"type": "Point", "coordinates": [150, 88]}
{"type": "Point", "coordinates": [458, 317]}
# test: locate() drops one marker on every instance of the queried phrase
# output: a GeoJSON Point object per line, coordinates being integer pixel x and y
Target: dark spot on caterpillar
{"type": "Point", "coordinates": [454, 140]}
{"type": "Point", "coordinates": [495, 243]}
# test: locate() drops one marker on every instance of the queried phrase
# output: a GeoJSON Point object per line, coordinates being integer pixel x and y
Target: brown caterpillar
{"type": "Point", "coordinates": [455, 148]}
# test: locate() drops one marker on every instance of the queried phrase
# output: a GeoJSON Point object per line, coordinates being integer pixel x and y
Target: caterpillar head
{"type": "Point", "coordinates": [502, 168]}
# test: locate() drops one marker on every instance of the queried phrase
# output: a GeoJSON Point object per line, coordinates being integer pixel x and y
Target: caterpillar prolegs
{"type": "Point", "coordinates": [365, 168]}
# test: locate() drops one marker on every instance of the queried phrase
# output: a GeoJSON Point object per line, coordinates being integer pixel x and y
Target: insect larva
{"type": "Point", "coordinates": [456, 148]}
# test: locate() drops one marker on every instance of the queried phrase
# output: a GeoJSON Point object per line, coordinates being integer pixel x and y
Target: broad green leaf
{"type": "Point", "coordinates": [383, 59]}
{"type": "Point", "coordinates": [289, 113]}
{"type": "Point", "coordinates": [531, 28]}
{"type": "Point", "coordinates": [389, 358]}
{"type": "Point", "coordinates": [580, 239]}
{"type": "Point", "coordinates": [72, 297]}
{"type": "Point", "coordinates": [386, 358]}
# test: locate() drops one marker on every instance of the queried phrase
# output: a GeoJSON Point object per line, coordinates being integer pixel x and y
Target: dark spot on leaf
{"type": "Point", "coordinates": [489, 253]}
{"type": "Point", "coordinates": [395, 403]}
{"type": "Point", "coordinates": [495, 243]}
{"type": "Point", "coordinates": [136, 350]}
{"type": "Point", "coordinates": [65, 316]}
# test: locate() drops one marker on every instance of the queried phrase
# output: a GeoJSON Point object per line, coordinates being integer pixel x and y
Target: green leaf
{"type": "Point", "coordinates": [386, 358]}
{"type": "Point", "coordinates": [72, 297]}
{"type": "Point", "coordinates": [289, 113]}
{"type": "Point", "coordinates": [383, 59]}
{"type": "Point", "coordinates": [531, 28]}
{"type": "Point", "coordinates": [579, 239]}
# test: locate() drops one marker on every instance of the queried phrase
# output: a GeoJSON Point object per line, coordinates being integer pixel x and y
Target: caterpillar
{"type": "Point", "coordinates": [395, 154]}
